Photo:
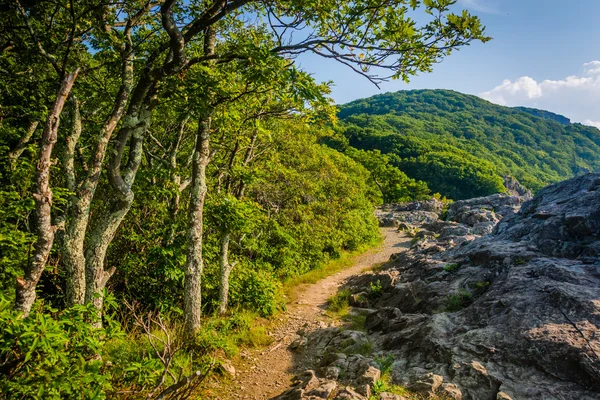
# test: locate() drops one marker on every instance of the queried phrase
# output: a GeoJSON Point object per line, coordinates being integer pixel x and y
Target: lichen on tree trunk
{"type": "Point", "coordinates": [194, 263]}
{"type": "Point", "coordinates": [25, 288]}
{"type": "Point", "coordinates": [226, 269]}
{"type": "Point", "coordinates": [192, 297]}
{"type": "Point", "coordinates": [105, 226]}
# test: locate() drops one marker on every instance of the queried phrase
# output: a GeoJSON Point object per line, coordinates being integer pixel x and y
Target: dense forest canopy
{"type": "Point", "coordinates": [162, 173]}
{"type": "Point", "coordinates": [462, 146]}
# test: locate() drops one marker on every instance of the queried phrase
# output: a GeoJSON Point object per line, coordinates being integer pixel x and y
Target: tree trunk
{"type": "Point", "coordinates": [121, 198]}
{"type": "Point", "coordinates": [99, 239]}
{"type": "Point", "coordinates": [72, 246]}
{"type": "Point", "coordinates": [25, 288]}
{"type": "Point", "coordinates": [226, 269]}
{"type": "Point", "coordinates": [194, 262]}
{"type": "Point", "coordinates": [192, 296]}
{"type": "Point", "coordinates": [14, 155]}
{"type": "Point", "coordinates": [73, 250]}
{"type": "Point", "coordinates": [181, 186]}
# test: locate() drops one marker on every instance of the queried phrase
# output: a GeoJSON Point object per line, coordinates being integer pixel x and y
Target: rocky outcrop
{"type": "Point", "coordinates": [510, 314]}
{"type": "Point", "coordinates": [489, 209]}
{"type": "Point", "coordinates": [514, 188]}
{"type": "Point", "coordinates": [344, 372]}
{"type": "Point", "coordinates": [415, 212]}
{"type": "Point", "coordinates": [464, 219]}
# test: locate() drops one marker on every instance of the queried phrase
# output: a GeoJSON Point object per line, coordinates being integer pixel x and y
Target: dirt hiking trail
{"type": "Point", "coordinates": [266, 373]}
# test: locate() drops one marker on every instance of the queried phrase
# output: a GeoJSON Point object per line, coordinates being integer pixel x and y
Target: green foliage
{"type": "Point", "coordinates": [49, 355]}
{"type": "Point", "coordinates": [356, 321]}
{"type": "Point", "coordinates": [232, 215]}
{"type": "Point", "coordinates": [452, 267]}
{"type": "Point", "coordinates": [228, 334]}
{"type": "Point", "coordinates": [304, 206]}
{"type": "Point", "coordinates": [384, 363]}
{"type": "Point", "coordinates": [458, 300]}
{"type": "Point", "coordinates": [289, 204]}
{"type": "Point", "coordinates": [394, 185]}
{"type": "Point", "coordinates": [384, 383]}
{"type": "Point", "coordinates": [257, 291]}
{"type": "Point", "coordinates": [480, 287]}
{"type": "Point", "coordinates": [365, 349]}
{"type": "Point", "coordinates": [375, 289]}
{"type": "Point", "coordinates": [339, 302]}
{"type": "Point", "coordinates": [462, 146]}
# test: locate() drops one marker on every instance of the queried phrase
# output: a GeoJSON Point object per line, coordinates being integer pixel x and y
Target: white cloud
{"type": "Point", "coordinates": [592, 68]}
{"type": "Point", "coordinates": [592, 123]}
{"type": "Point", "coordinates": [576, 96]}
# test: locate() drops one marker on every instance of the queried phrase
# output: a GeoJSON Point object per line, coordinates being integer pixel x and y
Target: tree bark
{"type": "Point", "coordinates": [121, 198]}
{"type": "Point", "coordinates": [181, 186]}
{"type": "Point", "coordinates": [72, 247]}
{"type": "Point", "coordinates": [14, 155]}
{"type": "Point", "coordinates": [194, 262]}
{"type": "Point", "coordinates": [226, 269]}
{"type": "Point", "coordinates": [192, 297]}
{"type": "Point", "coordinates": [73, 250]}
{"type": "Point", "coordinates": [25, 288]}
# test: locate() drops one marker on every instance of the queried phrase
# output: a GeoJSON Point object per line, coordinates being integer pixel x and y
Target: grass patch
{"type": "Point", "coordinates": [457, 301]}
{"type": "Point", "coordinates": [339, 303]}
{"type": "Point", "coordinates": [355, 322]}
{"type": "Point", "coordinates": [375, 267]}
{"type": "Point", "coordinates": [385, 385]}
{"type": "Point", "coordinates": [227, 335]}
{"type": "Point", "coordinates": [452, 267]}
{"type": "Point", "coordinates": [366, 349]}
{"type": "Point", "coordinates": [520, 261]}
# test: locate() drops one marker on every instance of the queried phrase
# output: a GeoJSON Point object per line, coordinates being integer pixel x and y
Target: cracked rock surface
{"type": "Point", "coordinates": [514, 313]}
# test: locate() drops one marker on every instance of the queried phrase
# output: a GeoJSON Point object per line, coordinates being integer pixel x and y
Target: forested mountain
{"type": "Point", "coordinates": [462, 145]}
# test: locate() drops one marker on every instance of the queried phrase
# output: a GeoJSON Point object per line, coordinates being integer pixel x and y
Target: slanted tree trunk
{"type": "Point", "coordinates": [25, 288]}
{"type": "Point", "coordinates": [14, 155]}
{"type": "Point", "coordinates": [121, 198]}
{"type": "Point", "coordinates": [73, 249]}
{"type": "Point", "coordinates": [174, 201]}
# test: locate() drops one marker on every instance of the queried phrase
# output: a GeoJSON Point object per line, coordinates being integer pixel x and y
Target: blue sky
{"type": "Point", "coordinates": [542, 55]}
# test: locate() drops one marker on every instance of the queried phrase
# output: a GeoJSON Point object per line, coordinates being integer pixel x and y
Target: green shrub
{"type": "Point", "coordinates": [51, 355]}
{"type": "Point", "coordinates": [385, 385]}
{"type": "Point", "coordinates": [375, 289]}
{"type": "Point", "coordinates": [258, 291]}
{"type": "Point", "coordinates": [384, 363]}
{"type": "Point", "coordinates": [227, 334]}
{"type": "Point", "coordinates": [356, 321]}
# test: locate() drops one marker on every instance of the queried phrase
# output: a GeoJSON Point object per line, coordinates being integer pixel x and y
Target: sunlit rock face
{"type": "Point", "coordinates": [514, 313]}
